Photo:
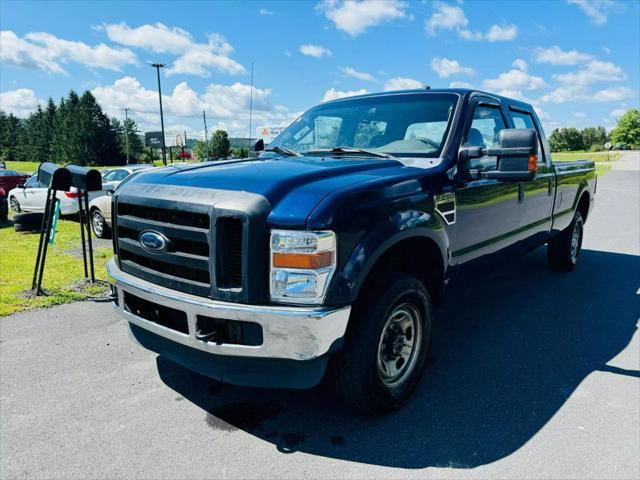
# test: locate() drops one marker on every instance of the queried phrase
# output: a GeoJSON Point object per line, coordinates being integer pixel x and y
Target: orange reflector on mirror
{"type": "Point", "coordinates": [302, 260]}
{"type": "Point", "coordinates": [533, 163]}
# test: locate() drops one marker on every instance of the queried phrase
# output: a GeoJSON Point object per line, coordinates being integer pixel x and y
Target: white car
{"type": "Point", "coordinates": [100, 206]}
{"type": "Point", "coordinates": [112, 178]}
{"type": "Point", "coordinates": [32, 197]}
{"type": "Point", "coordinates": [100, 214]}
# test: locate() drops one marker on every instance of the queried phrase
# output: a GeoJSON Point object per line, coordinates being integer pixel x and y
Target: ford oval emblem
{"type": "Point", "coordinates": [153, 241]}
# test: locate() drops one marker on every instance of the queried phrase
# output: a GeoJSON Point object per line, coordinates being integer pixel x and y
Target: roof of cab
{"type": "Point", "coordinates": [459, 91]}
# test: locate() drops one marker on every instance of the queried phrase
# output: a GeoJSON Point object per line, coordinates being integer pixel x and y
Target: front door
{"type": "Point", "coordinates": [488, 211]}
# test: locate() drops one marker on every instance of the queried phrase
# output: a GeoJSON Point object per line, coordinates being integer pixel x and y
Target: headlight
{"type": "Point", "coordinates": [302, 264]}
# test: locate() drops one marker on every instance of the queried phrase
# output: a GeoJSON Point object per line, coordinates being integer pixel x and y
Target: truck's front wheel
{"type": "Point", "coordinates": [386, 346]}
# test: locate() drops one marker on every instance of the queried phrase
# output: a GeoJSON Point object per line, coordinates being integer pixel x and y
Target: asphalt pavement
{"type": "Point", "coordinates": [534, 374]}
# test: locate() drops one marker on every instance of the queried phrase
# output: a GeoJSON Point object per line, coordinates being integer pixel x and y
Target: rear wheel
{"type": "Point", "coordinates": [387, 344]}
{"type": "Point", "coordinates": [563, 251]}
{"type": "Point", "coordinates": [14, 204]}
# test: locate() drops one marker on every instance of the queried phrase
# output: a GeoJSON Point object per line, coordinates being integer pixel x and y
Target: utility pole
{"type": "Point", "coordinates": [184, 144]}
{"type": "Point", "coordinates": [251, 106]}
{"type": "Point", "coordinates": [204, 118]}
{"type": "Point", "coordinates": [158, 66]}
{"type": "Point", "coordinates": [126, 131]}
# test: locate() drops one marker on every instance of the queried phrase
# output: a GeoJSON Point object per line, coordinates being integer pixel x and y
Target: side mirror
{"type": "Point", "coordinates": [257, 146]}
{"type": "Point", "coordinates": [517, 155]}
{"type": "Point", "coordinates": [20, 185]}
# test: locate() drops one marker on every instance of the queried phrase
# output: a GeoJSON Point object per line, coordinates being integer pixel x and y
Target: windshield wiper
{"type": "Point", "coordinates": [352, 150]}
{"type": "Point", "coordinates": [283, 151]}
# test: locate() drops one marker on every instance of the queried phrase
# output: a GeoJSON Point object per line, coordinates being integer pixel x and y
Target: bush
{"type": "Point", "coordinates": [596, 148]}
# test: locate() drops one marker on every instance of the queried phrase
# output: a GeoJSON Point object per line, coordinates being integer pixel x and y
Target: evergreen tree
{"type": "Point", "coordinates": [220, 144]}
{"type": "Point", "coordinates": [11, 135]}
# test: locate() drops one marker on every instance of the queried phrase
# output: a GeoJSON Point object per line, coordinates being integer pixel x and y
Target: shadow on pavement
{"type": "Point", "coordinates": [506, 356]}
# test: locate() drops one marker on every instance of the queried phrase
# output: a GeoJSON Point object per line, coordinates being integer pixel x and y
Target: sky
{"type": "Point", "coordinates": [576, 61]}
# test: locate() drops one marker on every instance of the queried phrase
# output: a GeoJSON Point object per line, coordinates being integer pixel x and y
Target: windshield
{"type": "Point", "coordinates": [405, 125]}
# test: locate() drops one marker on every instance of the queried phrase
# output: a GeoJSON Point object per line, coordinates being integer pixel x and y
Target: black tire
{"type": "Point", "coordinates": [563, 251]}
{"type": "Point", "coordinates": [15, 205]}
{"type": "Point", "coordinates": [101, 230]}
{"type": "Point", "coordinates": [356, 370]}
{"type": "Point", "coordinates": [28, 222]}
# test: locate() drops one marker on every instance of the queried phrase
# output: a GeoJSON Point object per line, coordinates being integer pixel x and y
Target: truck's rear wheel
{"type": "Point", "coordinates": [387, 344]}
{"type": "Point", "coordinates": [563, 251]}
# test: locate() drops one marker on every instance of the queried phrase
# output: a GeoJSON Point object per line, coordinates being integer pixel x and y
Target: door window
{"type": "Point", "coordinates": [109, 175]}
{"type": "Point", "coordinates": [120, 175]}
{"type": "Point", "coordinates": [525, 120]}
{"type": "Point", "coordinates": [33, 183]}
{"type": "Point", "coordinates": [483, 132]}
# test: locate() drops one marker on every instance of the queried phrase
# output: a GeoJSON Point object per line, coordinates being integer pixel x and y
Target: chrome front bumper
{"type": "Point", "coordinates": [294, 333]}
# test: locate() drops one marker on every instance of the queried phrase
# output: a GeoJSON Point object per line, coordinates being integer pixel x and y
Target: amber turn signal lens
{"type": "Point", "coordinates": [533, 163]}
{"type": "Point", "coordinates": [303, 260]}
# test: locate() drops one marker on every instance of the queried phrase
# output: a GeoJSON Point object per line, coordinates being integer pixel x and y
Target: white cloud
{"type": "Point", "coordinates": [597, 10]}
{"type": "Point", "coordinates": [579, 114]}
{"type": "Point", "coordinates": [578, 93]}
{"type": "Point", "coordinates": [265, 11]}
{"type": "Point", "coordinates": [355, 16]}
{"type": "Point", "coordinates": [445, 17]}
{"type": "Point", "coordinates": [445, 67]}
{"type": "Point", "coordinates": [520, 64]}
{"type": "Point", "coordinates": [449, 17]}
{"type": "Point", "coordinates": [43, 51]}
{"type": "Point", "coordinates": [460, 85]}
{"type": "Point", "coordinates": [618, 112]}
{"type": "Point", "coordinates": [501, 33]}
{"type": "Point", "coordinates": [352, 72]}
{"type": "Point", "coordinates": [595, 71]}
{"type": "Point", "coordinates": [401, 83]}
{"type": "Point", "coordinates": [556, 56]}
{"type": "Point", "coordinates": [193, 58]}
{"type": "Point", "coordinates": [333, 94]}
{"type": "Point", "coordinates": [514, 79]}
{"type": "Point", "coordinates": [20, 102]}
{"type": "Point", "coordinates": [200, 58]}
{"type": "Point", "coordinates": [226, 105]}
{"type": "Point", "coordinates": [315, 51]}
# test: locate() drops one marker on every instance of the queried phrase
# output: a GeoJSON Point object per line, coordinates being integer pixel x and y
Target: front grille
{"type": "Point", "coordinates": [217, 240]}
{"type": "Point", "coordinates": [186, 263]}
{"type": "Point", "coordinates": [229, 232]}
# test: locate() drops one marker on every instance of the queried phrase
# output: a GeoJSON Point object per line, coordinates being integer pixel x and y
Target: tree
{"type": "Point", "coordinates": [594, 136]}
{"type": "Point", "coordinates": [628, 128]}
{"type": "Point", "coordinates": [201, 150]}
{"type": "Point", "coordinates": [565, 139]}
{"type": "Point", "coordinates": [129, 129]}
{"type": "Point", "coordinates": [220, 144]}
{"type": "Point", "coordinates": [240, 152]}
{"type": "Point", "coordinates": [11, 135]}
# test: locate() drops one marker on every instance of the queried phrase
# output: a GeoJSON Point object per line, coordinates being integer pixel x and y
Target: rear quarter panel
{"type": "Point", "coordinates": [573, 179]}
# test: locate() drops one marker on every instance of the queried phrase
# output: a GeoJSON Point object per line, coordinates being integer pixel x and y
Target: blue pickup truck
{"type": "Point", "coordinates": [323, 254]}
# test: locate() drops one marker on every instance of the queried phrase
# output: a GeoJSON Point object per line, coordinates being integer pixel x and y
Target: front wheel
{"type": "Point", "coordinates": [386, 346]}
{"type": "Point", "coordinates": [563, 251]}
{"type": "Point", "coordinates": [14, 204]}
{"type": "Point", "coordinates": [99, 224]}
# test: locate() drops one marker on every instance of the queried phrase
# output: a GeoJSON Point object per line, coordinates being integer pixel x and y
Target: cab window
{"type": "Point", "coordinates": [525, 120]}
{"type": "Point", "coordinates": [483, 132]}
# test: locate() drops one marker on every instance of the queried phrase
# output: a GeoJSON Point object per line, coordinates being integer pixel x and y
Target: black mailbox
{"type": "Point", "coordinates": [54, 177]}
{"type": "Point", "coordinates": [85, 179]}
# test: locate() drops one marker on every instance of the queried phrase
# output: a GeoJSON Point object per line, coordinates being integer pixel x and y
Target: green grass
{"type": "Point", "coordinates": [602, 169]}
{"type": "Point", "coordinates": [63, 274]}
{"type": "Point", "coordinates": [595, 156]}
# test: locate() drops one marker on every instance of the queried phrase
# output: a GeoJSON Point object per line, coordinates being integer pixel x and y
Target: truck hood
{"type": "Point", "coordinates": [293, 186]}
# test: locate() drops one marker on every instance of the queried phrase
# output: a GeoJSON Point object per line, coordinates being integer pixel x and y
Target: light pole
{"type": "Point", "coordinates": [158, 66]}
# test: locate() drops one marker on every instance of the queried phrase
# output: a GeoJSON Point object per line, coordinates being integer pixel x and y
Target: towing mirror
{"type": "Point", "coordinates": [257, 146]}
{"type": "Point", "coordinates": [517, 155]}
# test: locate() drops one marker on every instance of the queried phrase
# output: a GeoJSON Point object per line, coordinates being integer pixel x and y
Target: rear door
{"type": "Point", "coordinates": [537, 193]}
{"type": "Point", "coordinates": [488, 211]}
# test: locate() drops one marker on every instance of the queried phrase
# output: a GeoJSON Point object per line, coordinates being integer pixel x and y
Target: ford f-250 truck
{"type": "Point", "coordinates": [325, 252]}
